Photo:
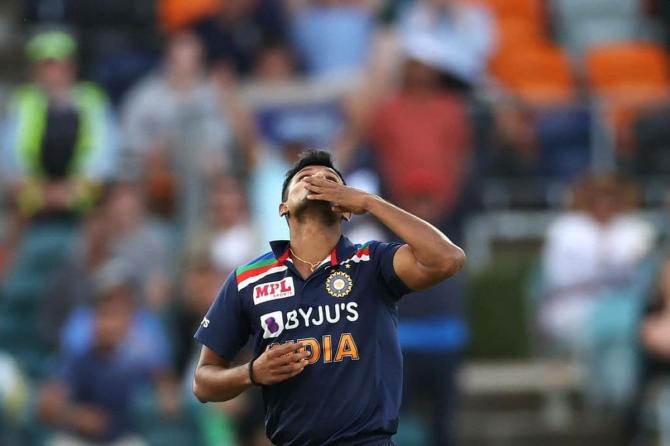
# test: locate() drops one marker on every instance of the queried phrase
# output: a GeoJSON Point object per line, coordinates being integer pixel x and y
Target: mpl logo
{"type": "Point", "coordinates": [273, 324]}
{"type": "Point", "coordinates": [266, 292]}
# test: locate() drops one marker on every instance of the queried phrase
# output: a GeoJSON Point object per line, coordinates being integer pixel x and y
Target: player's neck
{"type": "Point", "coordinates": [313, 242]}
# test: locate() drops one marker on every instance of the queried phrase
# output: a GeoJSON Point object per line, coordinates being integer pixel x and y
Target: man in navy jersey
{"type": "Point", "coordinates": [322, 315]}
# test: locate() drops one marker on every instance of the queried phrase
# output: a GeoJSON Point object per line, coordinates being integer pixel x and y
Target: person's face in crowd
{"type": "Point", "coordinates": [55, 75]}
{"type": "Point", "coordinates": [275, 64]}
{"type": "Point", "coordinates": [420, 77]}
{"type": "Point", "coordinates": [297, 205]}
{"type": "Point", "coordinates": [185, 55]}
{"type": "Point", "coordinates": [113, 316]}
{"type": "Point", "coordinates": [125, 209]}
{"type": "Point", "coordinates": [227, 203]}
{"type": "Point", "coordinates": [605, 202]}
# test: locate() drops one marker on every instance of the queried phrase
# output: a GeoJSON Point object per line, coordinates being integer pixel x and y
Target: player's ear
{"type": "Point", "coordinates": [346, 216]}
{"type": "Point", "coordinates": [283, 210]}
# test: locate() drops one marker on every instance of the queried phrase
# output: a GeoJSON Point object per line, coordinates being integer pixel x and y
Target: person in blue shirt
{"type": "Point", "coordinates": [322, 315]}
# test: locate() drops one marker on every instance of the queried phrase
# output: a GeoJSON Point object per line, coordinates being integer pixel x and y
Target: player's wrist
{"type": "Point", "coordinates": [251, 374]}
{"type": "Point", "coordinates": [369, 202]}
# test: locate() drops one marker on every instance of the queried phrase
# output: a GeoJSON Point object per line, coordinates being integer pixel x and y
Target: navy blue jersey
{"type": "Point", "coordinates": [346, 314]}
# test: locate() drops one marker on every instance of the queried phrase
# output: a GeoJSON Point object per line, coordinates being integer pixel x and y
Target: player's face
{"type": "Point", "coordinates": [297, 190]}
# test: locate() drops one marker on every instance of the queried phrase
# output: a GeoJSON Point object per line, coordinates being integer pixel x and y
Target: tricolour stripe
{"type": "Point", "coordinates": [255, 278]}
{"type": "Point", "coordinates": [256, 271]}
{"type": "Point", "coordinates": [357, 259]}
{"type": "Point", "coordinates": [257, 264]}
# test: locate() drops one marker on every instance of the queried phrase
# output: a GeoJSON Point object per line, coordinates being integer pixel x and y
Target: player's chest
{"type": "Point", "coordinates": [289, 307]}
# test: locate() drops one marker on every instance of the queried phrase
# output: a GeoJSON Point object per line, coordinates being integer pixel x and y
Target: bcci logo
{"type": "Point", "coordinates": [339, 284]}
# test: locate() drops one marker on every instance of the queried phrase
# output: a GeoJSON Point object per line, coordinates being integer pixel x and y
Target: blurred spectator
{"type": "Point", "coordinates": [433, 334]}
{"type": "Point", "coordinates": [91, 399]}
{"type": "Point", "coordinates": [146, 341]}
{"type": "Point", "coordinates": [588, 251]}
{"type": "Point", "coordinates": [241, 28]}
{"type": "Point", "coordinates": [455, 35]}
{"type": "Point", "coordinates": [138, 242]}
{"type": "Point", "coordinates": [73, 282]}
{"type": "Point", "coordinates": [334, 38]}
{"type": "Point", "coordinates": [59, 137]}
{"type": "Point", "coordinates": [229, 235]}
{"type": "Point", "coordinates": [275, 65]}
{"type": "Point", "coordinates": [289, 109]}
{"type": "Point", "coordinates": [176, 132]}
{"type": "Point", "coordinates": [425, 130]}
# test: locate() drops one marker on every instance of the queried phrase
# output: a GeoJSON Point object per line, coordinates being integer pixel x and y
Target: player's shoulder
{"type": "Point", "coordinates": [256, 269]}
{"type": "Point", "coordinates": [362, 252]}
{"type": "Point", "coordinates": [257, 262]}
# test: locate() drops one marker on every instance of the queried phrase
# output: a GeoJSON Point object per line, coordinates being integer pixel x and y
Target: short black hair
{"type": "Point", "coordinates": [309, 158]}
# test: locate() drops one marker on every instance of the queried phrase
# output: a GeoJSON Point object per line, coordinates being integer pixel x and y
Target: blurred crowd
{"type": "Point", "coordinates": [143, 146]}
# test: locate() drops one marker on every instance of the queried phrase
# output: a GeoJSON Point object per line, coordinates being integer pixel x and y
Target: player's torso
{"type": "Point", "coordinates": [328, 310]}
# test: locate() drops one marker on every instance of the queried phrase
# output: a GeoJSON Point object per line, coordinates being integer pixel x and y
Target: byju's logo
{"type": "Point", "coordinates": [273, 324]}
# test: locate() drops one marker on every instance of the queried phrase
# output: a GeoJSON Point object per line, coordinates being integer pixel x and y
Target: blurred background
{"type": "Point", "coordinates": [143, 145]}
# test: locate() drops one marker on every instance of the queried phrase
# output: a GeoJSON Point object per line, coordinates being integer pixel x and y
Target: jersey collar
{"type": "Point", "coordinates": [342, 251]}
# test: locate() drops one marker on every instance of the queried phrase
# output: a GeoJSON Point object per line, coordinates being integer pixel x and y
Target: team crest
{"type": "Point", "coordinates": [339, 284]}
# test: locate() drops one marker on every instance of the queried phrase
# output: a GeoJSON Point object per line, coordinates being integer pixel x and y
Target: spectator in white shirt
{"type": "Point", "coordinates": [588, 251]}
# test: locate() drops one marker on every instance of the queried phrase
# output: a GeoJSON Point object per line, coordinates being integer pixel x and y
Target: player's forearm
{"type": "Point", "coordinates": [215, 383]}
{"type": "Point", "coordinates": [431, 248]}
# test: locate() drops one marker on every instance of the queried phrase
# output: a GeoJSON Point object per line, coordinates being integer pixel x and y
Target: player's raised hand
{"type": "Point", "coordinates": [343, 198]}
{"type": "Point", "coordinates": [280, 363]}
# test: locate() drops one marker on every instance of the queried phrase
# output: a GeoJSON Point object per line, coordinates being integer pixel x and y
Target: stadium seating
{"type": "Point", "coordinates": [628, 68]}
{"type": "Point", "coordinates": [627, 78]}
{"type": "Point", "coordinates": [538, 74]}
{"type": "Point", "coordinates": [514, 34]}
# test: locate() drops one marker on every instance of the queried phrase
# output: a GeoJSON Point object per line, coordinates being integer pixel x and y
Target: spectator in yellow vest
{"type": "Point", "coordinates": [59, 137]}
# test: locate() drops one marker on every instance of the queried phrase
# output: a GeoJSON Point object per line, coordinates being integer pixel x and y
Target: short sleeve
{"type": "Point", "coordinates": [225, 328]}
{"type": "Point", "coordinates": [381, 254]}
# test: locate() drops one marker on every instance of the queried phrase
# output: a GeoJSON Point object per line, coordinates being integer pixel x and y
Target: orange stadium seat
{"type": "Point", "coordinates": [629, 78]}
{"type": "Point", "coordinates": [627, 67]}
{"type": "Point", "coordinates": [539, 74]}
{"type": "Point", "coordinates": [175, 15]}
{"type": "Point", "coordinates": [514, 35]}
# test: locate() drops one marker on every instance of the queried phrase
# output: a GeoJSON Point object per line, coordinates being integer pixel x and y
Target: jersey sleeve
{"type": "Point", "coordinates": [225, 328]}
{"type": "Point", "coordinates": [381, 254]}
